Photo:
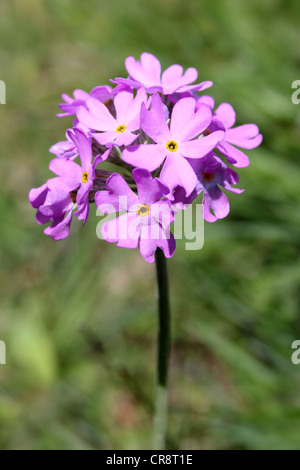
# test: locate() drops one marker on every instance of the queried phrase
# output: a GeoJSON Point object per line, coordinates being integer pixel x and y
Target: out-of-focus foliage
{"type": "Point", "coordinates": [79, 317]}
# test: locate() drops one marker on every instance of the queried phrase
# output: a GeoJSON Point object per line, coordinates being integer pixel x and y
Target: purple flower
{"type": "Point", "coordinates": [71, 104]}
{"type": "Point", "coordinates": [212, 173]}
{"type": "Point", "coordinates": [101, 93]}
{"type": "Point", "coordinates": [176, 144]}
{"type": "Point", "coordinates": [72, 176]}
{"type": "Point", "coordinates": [119, 130]}
{"type": "Point", "coordinates": [246, 136]}
{"type": "Point", "coordinates": [55, 207]}
{"type": "Point", "coordinates": [68, 148]}
{"type": "Point", "coordinates": [147, 73]}
{"type": "Point", "coordinates": [147, 218]}
{"type": "Point", "coordinates": [65, 148]}
{"type": "Point", "coordinates": [106, 93]}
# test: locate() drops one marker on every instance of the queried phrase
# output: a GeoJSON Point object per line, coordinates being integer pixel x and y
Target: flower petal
{"type": "Point", "coordinates": [146, 71]}
{"type": "Point", "coordinates": [234, 156]}
{"type": "Point", "coordinates": [83, 192]}
{"type": "Point", "coordinates": [83, 212]}
{"type": "Point", "coordinates": [125, 138]}
{"type": "Point", "coordinates": [64, 149]}
{"type": "Point", "coordinates": [56, 204]}
{"type": "Point", "coordinates": [148, 157]}
{"type": "Point", "coordinates": [173, 78]}
{"type": "Point", "coordinates": [122, 102]}
{"type": "Point", "coordinates": [206, 99]}
{"type": "Point", "coordinates": [178, 172]}
{"type": "Point", "coordinates": [97, 116]}
{"type": "Point", "coordinates": [186, 123]}
{"type": "Point", "coordinates": [217, 202]}
{"type": "Point", "coordinates": [151, 239]}
{"type": "Point", "coordinates": [226, 114]}
{"type": "Point", "coordinates": [84, 147]}
{"type": "Point", "coordinates": [154, 122]}
{"type": "Point", "coordinates": [37, 196]}
{"type": "Point", "coordinates": [119, 196]}
{"type": "Point", "coordinates": [200, 147]}
{"type": "Point", "coordinates": [246, 136]}
{"type": "Point", "coordinates": [102, 93]}
{"type": "Point", "coordinates": [60, 228]}
{"type": "Point", "coordinates": [105, 137]}
{"type": "Point", "coordinates": [149, 189]}
{"type": "Point", "coordinates": [162, 213]}
{"type": "Point", "coordinates": [69, 171]}
{"type": "Point", "coordinates": [133, 113]}
{"type": "Point", "coordinates": [124, 229]}
{"type": "Point", "coordinates": [199, 87]}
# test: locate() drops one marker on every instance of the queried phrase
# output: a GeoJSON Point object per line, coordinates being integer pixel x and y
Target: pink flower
{"type": "Point", "coordinates": [213, 174]}
{"type": "Point", "coordinates": [72, 176]}
{"type": "Point", "coordinates": [147, 218]}
{"type": "Point", "coordinates": [246, 136]}
{"type": "Point", "coordinates": [71, 104]}
{"type": "Point", "coordinates": [118, 130]}
{"type": "Point", "coordinates": [80, 97]}
{"type": "Point", "coordinates": [147, 73]}
{"type": "Point", "coordinates": [174, 144]}
{"type": "Point", "coordinates": [55, 207]}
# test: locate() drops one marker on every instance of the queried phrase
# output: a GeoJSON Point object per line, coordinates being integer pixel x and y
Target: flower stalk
{"type": "Point", "coordinates": [163, 353]}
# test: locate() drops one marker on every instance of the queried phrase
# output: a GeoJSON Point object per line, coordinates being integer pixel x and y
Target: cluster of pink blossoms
{"type": "Point", "coordinates": [167, 141]}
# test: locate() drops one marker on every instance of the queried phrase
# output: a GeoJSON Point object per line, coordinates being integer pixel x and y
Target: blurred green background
{"type": "Point", "coordinates": [79, 316]}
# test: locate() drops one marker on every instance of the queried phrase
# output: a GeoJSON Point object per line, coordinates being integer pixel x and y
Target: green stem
{"type": "Point", "coordinates": [163, 353]}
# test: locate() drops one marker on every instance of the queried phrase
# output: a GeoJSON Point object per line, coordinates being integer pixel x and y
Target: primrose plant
{"type": "Point", "coordinates": [169, 146]}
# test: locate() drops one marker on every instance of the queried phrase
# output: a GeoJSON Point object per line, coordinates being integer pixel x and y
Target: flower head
{"type": "Point", "coordinates": [151, 122]}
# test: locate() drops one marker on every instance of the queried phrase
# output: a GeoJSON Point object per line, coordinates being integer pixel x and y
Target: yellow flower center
{"type": "Point", "coordinates": [143, 210]}
{"type": "Point", "coordinates": [121, 128]}
{"type": "Point", "coordinates": [172, 146]}
{"type": "Point", "coordinates": [85, 177]}
{"type": "Point", "coordinates": [207, 176]}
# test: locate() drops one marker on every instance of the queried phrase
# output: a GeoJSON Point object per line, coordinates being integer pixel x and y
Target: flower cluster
{"type": "Point", "coordinates": [169, 146]}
